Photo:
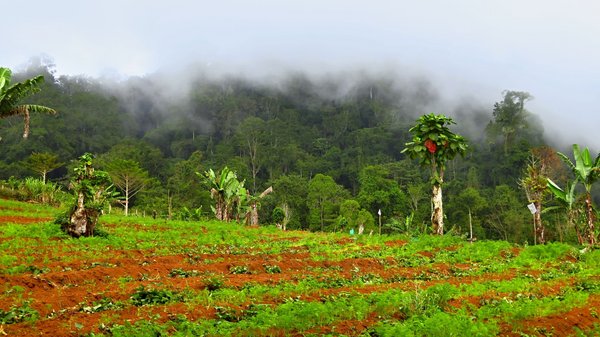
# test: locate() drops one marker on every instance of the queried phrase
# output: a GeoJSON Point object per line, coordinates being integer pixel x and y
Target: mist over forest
{"type": "Point", "coordinates": [284, 130]}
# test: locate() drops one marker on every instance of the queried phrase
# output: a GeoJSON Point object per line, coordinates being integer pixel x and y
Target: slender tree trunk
{"type": "Point", "coordinates": [254, 214]}
{"type": "Point", "coordinates": [126, 198]}
{"type": "Point", "coordinates": [27, 120]}
{"type": "Point", "coordinates": [470, 226]}
{"type": "Point", "coordinates": [590, 219]}
{"type": "Point", "coordinates": [539, 228]}
{"type": "Point", "coordinates": [437, 214]}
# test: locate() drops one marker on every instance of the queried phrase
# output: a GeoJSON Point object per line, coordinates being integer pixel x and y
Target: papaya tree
{"type": "Point", "coordinates": [92, 189]}
{"type": "Point", "coordinates": [433, 144]}
{"type": "Point", "coordinates": [12, 95]}
{"type": "Point", "coordinates": [587, 172]}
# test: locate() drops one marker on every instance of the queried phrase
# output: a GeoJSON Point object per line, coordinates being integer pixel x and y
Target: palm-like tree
{"type": "Point", "coordinates": [225, 190]}
{"type": "Point", "coordinates": [11, 96]}
{"type": "Point", "coordinates": [567, 199]}
{"type": "Point", "coordinates": [434, 144]}
{"type": "Point", "coordinates": [587, 172]}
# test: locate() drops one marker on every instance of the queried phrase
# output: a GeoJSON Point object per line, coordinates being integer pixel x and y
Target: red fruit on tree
{"type": "Point", "coordinates": [430, 145]}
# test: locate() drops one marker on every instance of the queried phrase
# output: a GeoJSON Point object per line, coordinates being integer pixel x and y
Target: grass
{"type": "Point", "coordinates": [223, 279]}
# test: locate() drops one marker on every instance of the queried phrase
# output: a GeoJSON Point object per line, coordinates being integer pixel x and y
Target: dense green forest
{"type": "Point", "coordinates": [330, 148]}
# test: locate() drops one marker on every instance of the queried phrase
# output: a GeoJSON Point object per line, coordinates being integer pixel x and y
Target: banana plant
{"type": "Point", "coordinates": [11, 95]}
{"type": "Point", "coordinates": [567, 199]}
{"type": "Point", "coordinates": [225, 190]}
{"type": "Point", "coordinates": [587, 172]}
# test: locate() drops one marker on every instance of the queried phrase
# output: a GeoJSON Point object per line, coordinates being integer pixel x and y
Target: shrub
{"type": "Point", "coordinates": [150, 296]}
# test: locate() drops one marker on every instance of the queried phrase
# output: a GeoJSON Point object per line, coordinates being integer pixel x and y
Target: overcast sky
{"type": "Point", "coordinates": [468, 48]}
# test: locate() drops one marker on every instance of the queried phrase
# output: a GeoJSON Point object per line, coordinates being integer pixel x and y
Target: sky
{"type": "Point", "coordinates": [469, 49]}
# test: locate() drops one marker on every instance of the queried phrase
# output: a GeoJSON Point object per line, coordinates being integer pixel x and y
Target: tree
{"type": "Point", "coordinates": [11, 95]}
{"type": "Point", "coordinates": [253, 205]}
{"type": "Point", "coordinates": [587, 172]}
{"type": "Point", "coordinates": [434, 144]}
{"type": "Point", "coordinates": [92, 190]}
{"type": "Point", "coordinates": [127, 177]}
{"type": "Point", "coordinates": [506, 215]}
{"type": "Point", "coordinates": [226, 190]}
{"type": "Point", "coordinates": [324, 198]}
{"type": "Point", "coordinates": [470, 199]}
{"type": "Point", "coordinates": [379, 191]}
{"type": "Point", "coordinates": [567, 199]}
{"type": "Point", "coordinates": [251, 133]}
{"type": "Point", "coordinates": [509, 116]}
{"type": "Point", "coordinates": [42, 163]}
{"type": "Point", "coordinates": [291, 196]}
{"type": "Point", "coordinates": [365, 220]}
{"type": "Point", "coordinates": [534, 182]}
{"type": "Point", "coordinates": [348, 213]}
{"type": "Point", "coordinates": [278, 216]}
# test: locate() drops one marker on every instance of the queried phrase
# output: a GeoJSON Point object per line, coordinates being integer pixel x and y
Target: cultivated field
{"type": "Point", "coordinates": [145, 277]}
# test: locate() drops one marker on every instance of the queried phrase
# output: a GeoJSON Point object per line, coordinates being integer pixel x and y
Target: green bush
{"type": "Point", "coordinates": [149, 296]}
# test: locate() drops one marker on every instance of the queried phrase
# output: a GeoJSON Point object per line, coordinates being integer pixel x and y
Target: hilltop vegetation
{"type": "Point", "coordinates": [307, 138]}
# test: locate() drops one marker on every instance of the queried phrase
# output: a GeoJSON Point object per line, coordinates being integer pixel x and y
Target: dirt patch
{"type": "Point", "coordinates": [21, 219]}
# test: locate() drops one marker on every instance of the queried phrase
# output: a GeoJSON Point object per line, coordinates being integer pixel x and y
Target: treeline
{"type": "Point", "coordinates": [330, 149]}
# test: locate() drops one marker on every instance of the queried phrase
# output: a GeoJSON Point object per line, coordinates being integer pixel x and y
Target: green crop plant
{"type": "Point", "coordinates": [239, 270]}
{"type": "Point", "coordinates": [18, 314]}
{"type": "Point", "coordinates": [101, 305]}
{"type": "Point", "coordinates": [214, 282]}
{"type": "Point", "coordinates": [272, 269]}
{"type": "Point", "coordinates": [150, 296]}
{"type": "Point", "coordinates": [179, 272]}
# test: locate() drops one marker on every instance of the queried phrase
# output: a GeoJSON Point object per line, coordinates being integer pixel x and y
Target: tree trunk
{"type": "Point", "coordinates": [81, 221]}
{"type": "Point", "coordinates": [539, 228]}
{"type": "Point", "coordinates": [437, 214]}
{"type": "Point", "coordinates": [254, 214]}
{"type": "Point", "coordinates": [27, 120]}
{"type": "Point", "coordinates": [126, 198]}
{"type": "Point", "coordinates": [590, 219]}
{"type": "Point", "coordinates": [470, 226]}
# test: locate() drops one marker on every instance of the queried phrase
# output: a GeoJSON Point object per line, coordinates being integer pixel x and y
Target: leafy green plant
{"type": "Point", "coordinates": [18, 314]}
{"type": "Point", "coordinates": [214, 282]}
{"type": "Point", "coordinates": [150, 296]}
{"type": "Point", "coordinates": [272, 269]}
{"type": "Point", "coordinates": [101, 305]}
{"type": "Point", "coordinates": [179, 272]}
{"type": "Point", "coordinates": [239, 270]}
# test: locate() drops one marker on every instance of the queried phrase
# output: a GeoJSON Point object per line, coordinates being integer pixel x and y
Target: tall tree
{"type": "Point", "coordinates": [324, 198]}
{"type": "Point", "coordinates": [251, 134]}
{"type": "Point", "coordinates": [434, 144]}
{"type": "Point", "coordinates": [587, 172]}
{"type": "Point", "coordinates": [12, 95]}
{"type": "Point", "coordinates": [534, 182]}
{"type": "Point", "coordinates": [128, 177]}
{"type": "Point", "coordinates": [42, 163]}
{"type": "Point", "coordinates": [470, 199]}
{"type": "Point", "coordinates": [509, 116]}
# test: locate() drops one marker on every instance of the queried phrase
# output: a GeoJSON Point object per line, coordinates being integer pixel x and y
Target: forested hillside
{"type": "Point", "coordinates": [329, 147]}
